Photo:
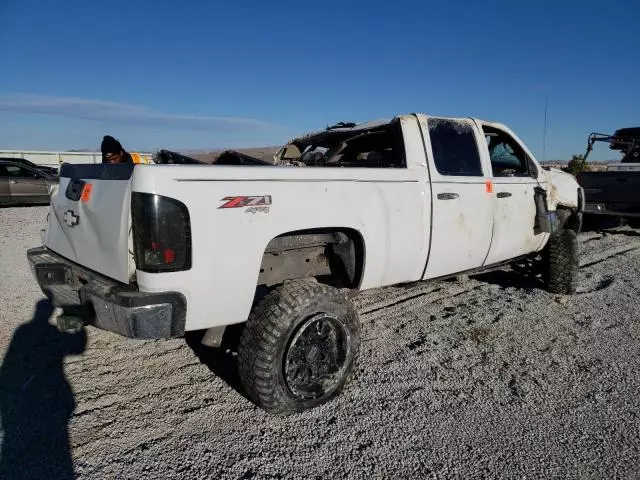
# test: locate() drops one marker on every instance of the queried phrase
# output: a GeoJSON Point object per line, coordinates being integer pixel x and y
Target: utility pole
{"type": "Point", "coordinates": [544, 134]}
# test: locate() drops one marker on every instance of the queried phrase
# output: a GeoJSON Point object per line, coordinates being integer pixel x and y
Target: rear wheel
{"type": "Point", "coordinates": [561, 262]}
{"type": "Point", "coordinates": [298, 347]}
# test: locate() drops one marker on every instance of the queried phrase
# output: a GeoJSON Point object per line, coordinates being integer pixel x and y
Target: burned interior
{"type": "Point", "coordinates": [374, 145]}
{"type": "Point", "coordinates": [369, 145]}
{"type": "Point", "coordinates": [227, 157]}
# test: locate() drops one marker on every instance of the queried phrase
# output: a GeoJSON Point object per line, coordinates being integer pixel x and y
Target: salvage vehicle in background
{"type": "Point", "coordinates": [26, 163]}
{"type": "Point", "coordinates": [180, 247]}
{"type": "Point", "coordinates": [22, 182]}
{"type": "Point", "coordinates": [615, 192]}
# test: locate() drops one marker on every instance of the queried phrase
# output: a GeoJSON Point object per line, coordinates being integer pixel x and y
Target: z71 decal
{"type": "Point", "coordinates": [255, 204]}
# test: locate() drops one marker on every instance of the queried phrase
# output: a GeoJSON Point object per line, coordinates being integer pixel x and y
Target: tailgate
{"type": "Point", "coordinates": [89, 219]}
{"type": "Point", "coordinates": [611, 187]}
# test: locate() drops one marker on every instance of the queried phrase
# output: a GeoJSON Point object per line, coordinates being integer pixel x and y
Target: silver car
{"type": "Point", "coordinates": [22, 184]}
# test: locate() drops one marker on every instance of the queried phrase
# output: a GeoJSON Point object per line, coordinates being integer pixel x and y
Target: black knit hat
{"type": "Point", "coordinates": [110, 145]}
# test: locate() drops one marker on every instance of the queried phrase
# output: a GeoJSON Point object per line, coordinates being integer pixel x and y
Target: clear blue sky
{"type": "Point", "coordinates": [204, 74]}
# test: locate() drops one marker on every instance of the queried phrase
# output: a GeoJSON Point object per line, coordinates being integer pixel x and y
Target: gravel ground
{"type": "Point", "coordinates": [488, 376]}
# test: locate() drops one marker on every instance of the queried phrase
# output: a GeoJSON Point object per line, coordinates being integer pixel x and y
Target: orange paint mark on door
{"type": "Point", "coordinates": [488, 186]}
{"type": "Point", "coordinates": [86, 192]}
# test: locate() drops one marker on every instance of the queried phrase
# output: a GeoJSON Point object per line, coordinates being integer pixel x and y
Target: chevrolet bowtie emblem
{"type": "Point", "coordinates": [71, 218]}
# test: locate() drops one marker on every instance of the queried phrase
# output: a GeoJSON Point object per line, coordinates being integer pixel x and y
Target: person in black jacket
{"type": "Point", "coordinates": [112, 151]}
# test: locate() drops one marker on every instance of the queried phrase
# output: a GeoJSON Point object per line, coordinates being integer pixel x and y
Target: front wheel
{"type": "Point", "coordinates": [561, 262]}
{"type": "Point", "coordinates": [298, 347]}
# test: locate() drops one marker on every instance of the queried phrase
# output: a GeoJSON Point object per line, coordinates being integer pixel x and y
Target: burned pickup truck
{"type": "Point", "coordinates": [156, 251]}
{"type": "Point", "coordinates": [616, 191]}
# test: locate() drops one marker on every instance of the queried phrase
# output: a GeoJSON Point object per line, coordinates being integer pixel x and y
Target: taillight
{"type": "Point", "coordinates": [161, 233]}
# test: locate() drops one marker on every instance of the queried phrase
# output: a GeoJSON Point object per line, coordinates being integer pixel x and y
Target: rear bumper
{"type": "Point", "coordinates": [109, 305]}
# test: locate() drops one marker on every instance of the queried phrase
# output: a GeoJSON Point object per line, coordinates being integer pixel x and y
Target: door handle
{"type": "Point", "coordinates": [12, 182]}
{"type": "Point", "coordinates": [503, 194]}
{"type": "Point", "coordinates": [447, 196]}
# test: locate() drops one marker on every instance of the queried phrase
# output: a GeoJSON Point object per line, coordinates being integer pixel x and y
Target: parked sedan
{"type": "Point", "coordinates": [21, 184]}
{"type": "Point", "coordinates": [27, 163]}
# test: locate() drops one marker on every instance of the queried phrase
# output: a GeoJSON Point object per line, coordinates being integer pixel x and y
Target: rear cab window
{"type": "Point", "coordinates": [454, 146]}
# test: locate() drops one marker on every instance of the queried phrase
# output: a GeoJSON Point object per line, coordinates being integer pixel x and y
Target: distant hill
{"type": "Point", "coordinates": [564, 162]}
{"type": "Point", "coordinates": [210, 156]}
{"type": "Point", "coordinates": [596, 166]}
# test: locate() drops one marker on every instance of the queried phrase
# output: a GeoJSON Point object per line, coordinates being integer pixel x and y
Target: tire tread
{"type": "Point", "coordinates": [269, 321]}
{"type": "Point", "coordinates": [562, 262]}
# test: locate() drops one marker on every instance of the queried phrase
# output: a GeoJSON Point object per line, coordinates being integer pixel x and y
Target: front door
{"type": "Point", "coordinates": [462, 207]}
{"type": "Point", "coordinates": [514, 183]}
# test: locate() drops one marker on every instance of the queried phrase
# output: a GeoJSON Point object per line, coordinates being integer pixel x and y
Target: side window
{"type": "Point", "coordinates": [508, 159]}
{"type": "Point", "coordinates": [16, 171]}
{"type": "Point", "coordinates": [455, 151]}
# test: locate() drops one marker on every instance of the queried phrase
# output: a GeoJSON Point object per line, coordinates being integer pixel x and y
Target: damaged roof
{"type": "Point", "coordinates": [342, 127]}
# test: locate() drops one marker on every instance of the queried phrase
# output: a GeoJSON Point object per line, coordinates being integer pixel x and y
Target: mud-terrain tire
{"type": "Point", "coordinates": [561, 262]}
{"type": "Point", "coordinates": [298, 347]}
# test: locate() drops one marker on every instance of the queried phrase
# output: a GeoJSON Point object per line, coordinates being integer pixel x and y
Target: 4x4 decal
{"type": "Point", "coordinates": [255, 204]}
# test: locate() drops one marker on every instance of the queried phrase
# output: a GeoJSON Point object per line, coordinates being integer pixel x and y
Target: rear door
{"type": "Point", "coordinates": [462, 212]}
{"type": "Point", "coordinates": [26, 185]}
{"type": "Point", "coordinates": [90, 218]}
{"type": "Point", "coordinates": [514, 182]}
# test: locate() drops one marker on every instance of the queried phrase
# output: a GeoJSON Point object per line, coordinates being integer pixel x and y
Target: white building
{"type": "Point", "coordinates": [55, 159]}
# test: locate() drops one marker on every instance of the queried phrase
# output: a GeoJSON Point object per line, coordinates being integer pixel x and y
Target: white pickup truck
{"type": "Point", "coordinates": [154, 251]}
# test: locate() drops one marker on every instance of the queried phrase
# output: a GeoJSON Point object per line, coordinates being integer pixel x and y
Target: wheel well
{"type": "Point", "coordinates": [333, 256]}
{"type": "Point", "coordinates": [569, 218]}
